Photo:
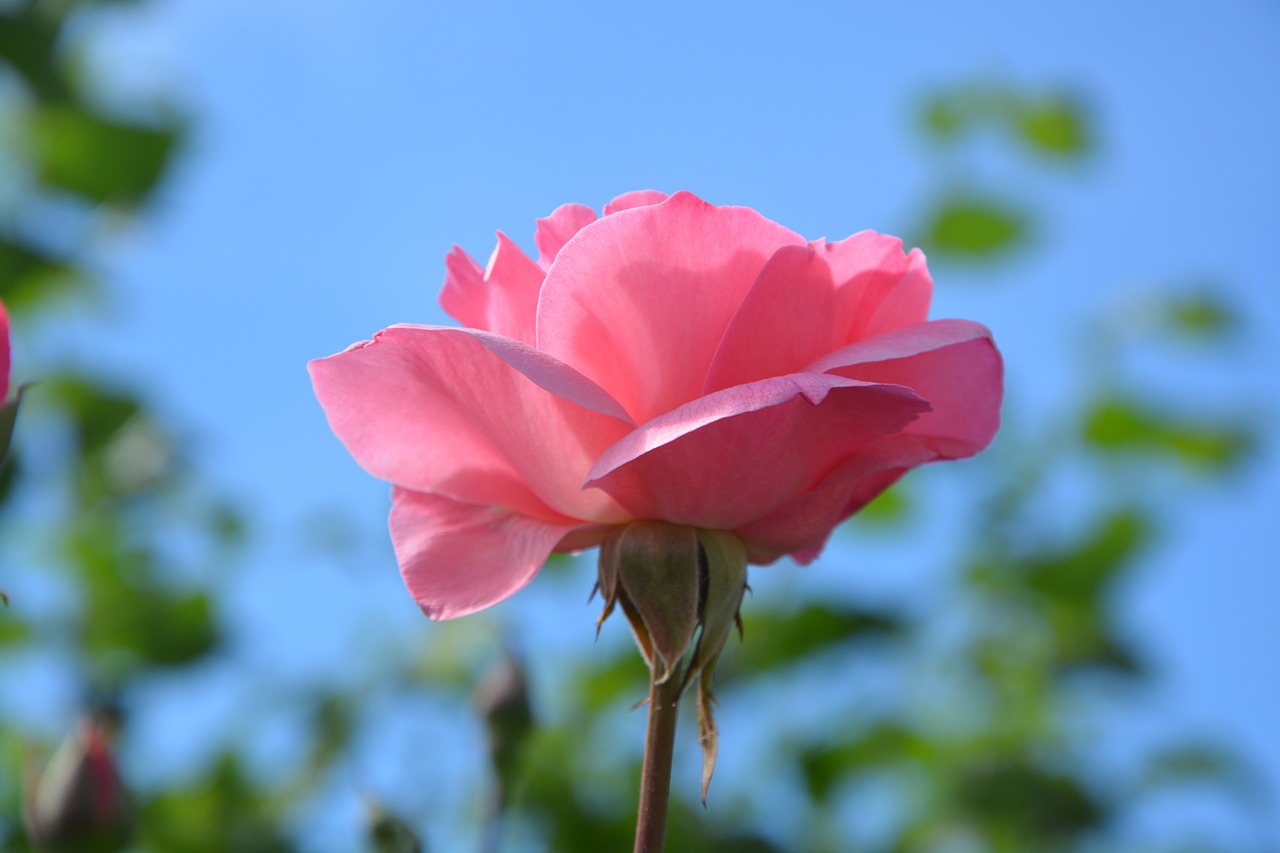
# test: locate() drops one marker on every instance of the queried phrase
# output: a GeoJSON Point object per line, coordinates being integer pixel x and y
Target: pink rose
{"type": "Point", "coordinates": [671, 361]}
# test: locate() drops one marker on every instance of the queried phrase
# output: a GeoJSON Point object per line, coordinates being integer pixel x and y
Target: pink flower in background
{"type": "Point", "coordinates": [671, 361]}
{"type": "Point", "coordinates": [4, 353]}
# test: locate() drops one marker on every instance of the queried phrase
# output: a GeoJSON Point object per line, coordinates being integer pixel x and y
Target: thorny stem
{"type": "Point", "coordinates": [655, 778]}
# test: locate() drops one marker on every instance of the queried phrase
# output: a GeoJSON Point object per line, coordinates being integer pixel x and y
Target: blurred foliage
{"type": "Point", "coordinates": [987, 754]}
{"type": "Point", "coordinates": [1053, 124]}
{"type": "Point", "coordinates": [962, 225]}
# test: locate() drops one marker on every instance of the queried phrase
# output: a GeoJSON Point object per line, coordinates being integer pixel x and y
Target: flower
{"type": "Point", "coordinates": [80, 802]}
{"type": "Point", "coordinates": [670, 361]}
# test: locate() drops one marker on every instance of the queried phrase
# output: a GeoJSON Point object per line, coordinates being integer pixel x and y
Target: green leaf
{"type": "Point", "coordinates": [1082, 572]}
{"type": "Point", "coordinates": [1016, 798]}
{"type": "Point", "coordinates": [1055, 126]}
{"type": "Point", "coordinates": [1197, 764]}
{"type": "Point", "coordinates": [774, 639]}
{"type": "Point", "coordinates": [30, 276]}
{"type": "Point", "coordinates": [1201, 316]}
{"type": "Point", "coordinates": [28, 44]}
{"type": "Point", "coordinates": [944, 118]}
{"type": "Point", "coordinates": [1126, 426]}
{"type": "Point", "coordinates": [825, 765]}
{"type": "Point", "coordinates": [99, 158]}
{"type": "Point", "coordinates": [975, 228]}
{"type": "Point", "coordinates": [152, 627]}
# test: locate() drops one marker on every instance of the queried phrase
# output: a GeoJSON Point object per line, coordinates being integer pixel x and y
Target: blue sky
{"type": "Point", "coordinates": [343, 146]}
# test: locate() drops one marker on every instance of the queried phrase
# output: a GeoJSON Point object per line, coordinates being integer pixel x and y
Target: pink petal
{"type": "Point", "coordinates": [457, 558]}
{"type": "Point", "coordinates": [801, 527]}
{"type": "Point", "coordinates": [4, 353]}
{"type": "Point", "coordinates": [953, 364]}
{"type": "Point", "coordinates": [638, 301]}
{"type": "Point", "coordinates": [785, 321]}
{"type": "Point", "coordinates": [635, 198]}
{"type": "Point", "coordinates": [464, 295]}
{"type": "Point", "coordinates": [556, 230]}
{"type": "Point", "coordinates": [471, 416]}
{"type": "Point", "coordinates": [735, 456]}
{"type": "Point", "coordinates": [503, 299]}
{"type": "Point", "coordinates": [878, 288]}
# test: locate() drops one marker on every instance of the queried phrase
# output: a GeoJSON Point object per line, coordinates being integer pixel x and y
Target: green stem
{"type": "Point", "coordinates": [655, 779]}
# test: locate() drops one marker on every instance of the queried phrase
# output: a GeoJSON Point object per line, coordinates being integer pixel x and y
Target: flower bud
{"type": "Point", "coordinates": [675, 582]}
{"type": "Point", "coordinates": [502, 701]}
{"type": "Point", "coordinates": [79, 804]}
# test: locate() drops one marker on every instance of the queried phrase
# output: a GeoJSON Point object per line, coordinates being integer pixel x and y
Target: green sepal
{"type": "Point", "coordinates": [651, 569]}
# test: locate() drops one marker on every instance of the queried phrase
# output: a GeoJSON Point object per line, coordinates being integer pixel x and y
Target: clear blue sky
{"type": "Point", "coordinates": [343, 146]}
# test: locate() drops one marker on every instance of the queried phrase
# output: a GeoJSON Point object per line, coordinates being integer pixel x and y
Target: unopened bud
{"type": "Point", "coordinates": [502, 701]}
{"type": "Point", "coordinates": [79, 804]}
{"type": "Point", "coordinates": [675, 583]}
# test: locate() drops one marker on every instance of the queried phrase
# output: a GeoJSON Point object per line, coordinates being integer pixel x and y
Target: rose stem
{"type": "Point", "coordinates": [655, 778]}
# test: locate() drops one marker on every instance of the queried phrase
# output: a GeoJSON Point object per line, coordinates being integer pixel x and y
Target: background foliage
{"type": "Point", "coordinates": [899, 729]}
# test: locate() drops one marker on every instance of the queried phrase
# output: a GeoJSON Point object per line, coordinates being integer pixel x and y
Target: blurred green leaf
{"type": "Point", "coordinates": [826, 765]}
{"type": "Point", "coordinates": [30, 276]}
{"type": "Point", "coordinates": [775, 638]}
{"type": "Point", "coordinates": [221, 813]}
{"type": "Point", "coordinates": [1201, 316]}
{"type": "Point", "coordinates": [100, 158]}
{"type": "Point", "coordinates": [28, 41]}
{"type": "Point", "coordinates": [944, 118]}
{"type": "Point", "coordinates": [1053, 125]}
{"type": "Point", "coordinates": [154, 628]}
{"type": "Point", "coordinates": [1081, 571]}
{"type": "Point", "coordinates": [1116, 425]}
{"type": "Point", "coordinates": [1033, 804]}
{"type": "Point", "coordinates": [12, 629]}
{"type": "Point", "coordinates": [1197, 764]}
{"type": "Point", "coordinates": [97, 414]}
{"type": "Point", "coordinates": [973, 227]}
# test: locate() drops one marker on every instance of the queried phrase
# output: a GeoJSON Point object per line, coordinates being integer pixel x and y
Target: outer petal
{"type": "Point", "coordinates": [635, 198]}
{"type": "Point", "coordinates": [639, 300]}
{"type": "Point", "coordinates": [785, 321]}
{"type": "Point", "coordinates": [503, 299]}
{"type": "Point", "coordinates": [556, 230]}
{"type": "Point", "coordinates": [732, 457]}
{"type": "Point", "coordinates": [802, 526]}
{"type": "Point", "coordinates": [878, 288]}
{"type": "Point", "coordinates": [953, 364]}
{"type": "Point", "coordinates": [472, 416]}
{"type": "Point", "coordinates": [457, 558]}
{"type": "Point", "coordinates": [4, 353]}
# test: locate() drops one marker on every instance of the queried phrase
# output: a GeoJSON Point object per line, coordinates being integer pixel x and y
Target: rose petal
{"type": "Point", "coordinates": [457, 558]}
{"type": "Point", "coordinates": [801, 528]}
{"type": "Point", "coordinates": [734, 456]}
{"type": "Point", "coordinates": [635, 198]}
{"type": "Point", "coordinates": [878, 288]}
{"type": "Point", "coordinates": [502, 299]}
{"type": "Point", "coordinates": [468, 415]}
{"type": "Point", "coordinates": [784, 322]}
{"type": "Point", "coordinates": [953, 364]}
{"type": "Point", "coordinates": [556, 230]}
{"type": "Point", "coordinates": [639, 300]}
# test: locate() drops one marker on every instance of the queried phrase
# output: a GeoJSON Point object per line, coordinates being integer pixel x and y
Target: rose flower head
{"type": "Point", "coordinates": [670, 361]}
